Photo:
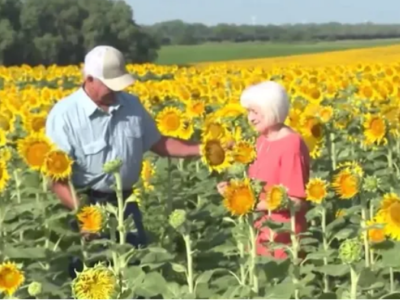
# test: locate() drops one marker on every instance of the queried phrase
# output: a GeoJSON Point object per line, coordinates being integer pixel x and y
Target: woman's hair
{"type": "Point", "coordinates": [270, 98]}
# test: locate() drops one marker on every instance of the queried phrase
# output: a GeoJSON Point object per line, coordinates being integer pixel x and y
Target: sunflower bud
{"type": "Point", "coordinates": [350, 251]}
{"type": "Point", "coordinates": [371, 183]}
{"type": "Point", "coordinates": [177, 218]}
{"type": "Point", "coordinates": [112, 166]}
{"type": "Point", "coordinates": [35, 288]}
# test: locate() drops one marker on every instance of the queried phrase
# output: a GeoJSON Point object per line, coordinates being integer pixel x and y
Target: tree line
{"type": "Point", "coordinates": [177, 32]}
{"type": "Point", "coordinates": [62, 31]}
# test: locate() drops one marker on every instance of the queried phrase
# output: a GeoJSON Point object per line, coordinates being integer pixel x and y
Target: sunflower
{"type": "Point", "coordinates": [215, 155]}
{"type": "Point", "coordinates": [7, 122]}
{"type": "Point", "coordinates": [91, 218]}
{"type": "Point", "coordinates": [244, 152]}
{"type": "Point", "coordinates": [375, 235]}
{"type": "Point", "coordinates": [276, 197]}
{"type": "Point", "coordinates": [389, 214]}
{"type": "Point", "coordinates": [239, 197]}
{"type": "Point", "coordinates": [146, 175]}
{"type": "Point", "coordinates": [374, 129]}
{"type": "Point", "coordinates": [11, 278]}
{"type": "Point", "coordinates": [5, 154]}
{"type": "Point", "coordinates": [325, 113]}
{"type": "Point", "coordinates": [98, 282]}
{"type": "Point", "coordinates": [57, 165]}
{"type": "Point", "coordinates": [231, 110]}
{"type": "Point", "coordinates": [4, 176]}
{"type": "Point", "coordinates": [34, 123]}
{"type": "Point", "coordinates": [312, 127]}
{"type": "Point", "coordinates": [169, 121]}
{"type": "Point", "coordinates": [33, 149]}
{"type": "Point", "coordinates": [346, 184]}
{"type": "Point", "coordinates": [3, 137]}
{"type": "Point", "coordinates": [214, 128]}
{"type": "Point", "coordinates": [195, 108]}
{"type": "Point", "coordinates": [316, 190]}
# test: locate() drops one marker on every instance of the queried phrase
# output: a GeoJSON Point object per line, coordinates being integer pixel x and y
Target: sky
{"type": "Point", "coordinates": [262, 12]}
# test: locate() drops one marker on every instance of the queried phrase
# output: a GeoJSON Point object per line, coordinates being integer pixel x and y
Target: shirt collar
{"type": "Point", "coordinates": [91, 108]}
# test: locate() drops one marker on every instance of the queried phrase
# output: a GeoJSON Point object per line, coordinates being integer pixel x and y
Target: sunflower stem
{"type": "Point", "coordinates": [253, 255]}
{"type": "Point", "coordinates": [325, 245]}
{"type": "Point", "coordinates": [120, 199]}
{"type": "Point", "coordinates": [391, 274]}
{"type": "Point", "coordinates": [365, 234]}
{"type": "Point", "coordinates": [18, 190]}
{"type": "Point", "coordinates": [354, 282]}
{"type": "Point", "coordinates": [189, 257]}
{"type": "Point", "coordinates": [242, 255]}
{"type": "Point", "coordinates": [73, 194]}
{"type": "Point", "coordinates": [295, 247]}
{"type": "Point", "coordinates": [390, 156]}
{"type": "Point", "coordinates": [332, 150]}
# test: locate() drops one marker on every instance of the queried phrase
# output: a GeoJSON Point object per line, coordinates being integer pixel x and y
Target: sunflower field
{"type": "Point", "coordinates": [202, 244]}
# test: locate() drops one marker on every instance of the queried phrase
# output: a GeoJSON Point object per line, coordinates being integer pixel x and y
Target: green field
{"type": "Point", "coordinates": [235, 51]}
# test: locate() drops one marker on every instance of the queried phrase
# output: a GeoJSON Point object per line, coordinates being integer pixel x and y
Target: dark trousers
{"type": "Point", "coordinates": [136, 239]}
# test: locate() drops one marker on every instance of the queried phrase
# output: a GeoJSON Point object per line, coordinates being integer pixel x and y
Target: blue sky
{"type": "Point", "coordinates": [212, 12]}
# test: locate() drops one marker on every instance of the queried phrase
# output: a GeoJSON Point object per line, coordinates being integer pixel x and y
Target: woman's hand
{"type": "Point", "coordinates": [222, 187]}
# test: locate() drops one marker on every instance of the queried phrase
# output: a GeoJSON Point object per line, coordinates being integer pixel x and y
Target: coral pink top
{"type": "Point", "coordinates": [287, 162]}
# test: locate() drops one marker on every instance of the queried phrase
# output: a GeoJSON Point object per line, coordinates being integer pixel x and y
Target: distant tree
{"type": "Point", "coordinates": [62, 31]}
{"type": "Point", "coordinates": [178, 32]}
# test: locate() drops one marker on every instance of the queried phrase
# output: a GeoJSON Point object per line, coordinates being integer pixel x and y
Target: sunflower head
{"type": "Point", "coordinates": [57, 165]}
{"type": "Point", "coordinates": [244, 152]}
{"type": "Point", "coordinates": [33, 149]}
{"type": "Point", "coordinates": [11, 278]}
{"type": "Point", "coordinates": [239, 197]}
{"type": "Point", "coordinates": [215, 154]}
{"type": "Point", "coordinates": [376, 232]}
{"type": "Point", "coordinates": [346, 184]}
{"type": "Point", "coordinates": [169, 121]}
{"type": "Point", "coordinates": [375, 129]}
{"type": "Point", "coordinates": [276, 197]}
{"type": "Point", "coordinates": [98, 282]}
{"type": "Point", "coordinates": [91, 218]}
{"type": "Point", "coordinates": [316, 190]}
{"type": "Point", "coordinates": [389, 214]}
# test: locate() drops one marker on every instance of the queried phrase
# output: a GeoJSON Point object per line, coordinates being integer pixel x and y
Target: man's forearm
{"type": "Point", "coordinates": [64, 193]}
{"type": "Point", "coordinates": [176, 148]}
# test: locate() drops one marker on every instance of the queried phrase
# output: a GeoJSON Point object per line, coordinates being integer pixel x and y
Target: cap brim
{"type": "Point", "coordinates": [119, 83]}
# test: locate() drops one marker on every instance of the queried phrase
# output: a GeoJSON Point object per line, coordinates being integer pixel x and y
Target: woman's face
{"type": "Point", "coordinates": [257, 119]}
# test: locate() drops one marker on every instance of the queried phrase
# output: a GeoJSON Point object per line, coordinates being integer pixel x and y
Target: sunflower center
{"type": "Point", "coordinates": [172, 121]}
{"type": "Point", "coordinates": [8, 278]}
{"type": "Point", "coordinates": [395, 213]}
{"type": "Point", "coordinates": [36, 153]}
{"type": "Point", "coordinates": [38, 124]}
{"type": "Point", "coordinates": [215, 153]}
{"type": "Point", "coordinates": [367, 91]}
{"type": "Point", "coordinates": [316, 131]}
{"type": "Point", "coordinates": [317, 191]}
{"type": "Point", "coordinates": [377, 126]}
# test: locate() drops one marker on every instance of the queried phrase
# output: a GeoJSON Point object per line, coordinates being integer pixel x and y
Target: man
{"type": "Point", "coordinates": [99, 123]}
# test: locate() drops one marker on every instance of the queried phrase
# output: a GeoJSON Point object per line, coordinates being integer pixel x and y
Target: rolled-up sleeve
{"type": "Point", "coordinates": [151, 134]}
{"type": "Point", "coordinates": [58, 132]}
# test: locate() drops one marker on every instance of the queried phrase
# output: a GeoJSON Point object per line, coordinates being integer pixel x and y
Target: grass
{"type": "Point", "coordinates": [212, 52]}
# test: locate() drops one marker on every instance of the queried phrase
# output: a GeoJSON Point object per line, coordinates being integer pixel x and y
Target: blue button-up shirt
{"type": "Point", "coordinates": [93, 137]}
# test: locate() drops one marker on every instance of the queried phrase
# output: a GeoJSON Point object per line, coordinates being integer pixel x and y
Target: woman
{"type": "Point", "coordinates": [282, 158]}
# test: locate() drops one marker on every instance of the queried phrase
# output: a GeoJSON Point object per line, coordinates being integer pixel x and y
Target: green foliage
{"type": "Point", "coordinates": [60, 32]}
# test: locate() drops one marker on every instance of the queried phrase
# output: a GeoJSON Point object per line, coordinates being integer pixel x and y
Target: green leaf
{"type": "Point", "coordinates": [334, 270]}
{"type": "Point", "coordinates": [320, 254]}
{"type": "Point", "coordinates": [153, 285]}
{"type": "Point", "coordinates": [178, 268]}
{"type": "Point", "coordinates": [281, 291]}
{"type": "Point", "coordinates": [346, 233]}
{"type": "Point", "coordinates": [395, 295]}
{"type": "Point", "coordinates": [25, 253]}
{"type": "Point", "coordinates": [205, 276]}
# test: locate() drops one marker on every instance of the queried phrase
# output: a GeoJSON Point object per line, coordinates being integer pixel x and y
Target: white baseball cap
{"type": "Point", "coordinates": [108, 65]}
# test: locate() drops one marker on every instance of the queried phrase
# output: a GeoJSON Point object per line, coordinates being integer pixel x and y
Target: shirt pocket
{"type": "Point", "coordinates": [133, 143]}
{"type": "Point", "coordinates": [95, 155]}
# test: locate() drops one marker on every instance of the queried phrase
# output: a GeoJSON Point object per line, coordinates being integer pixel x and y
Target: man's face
{"type": "Point", "coordinates": [99, 90]}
